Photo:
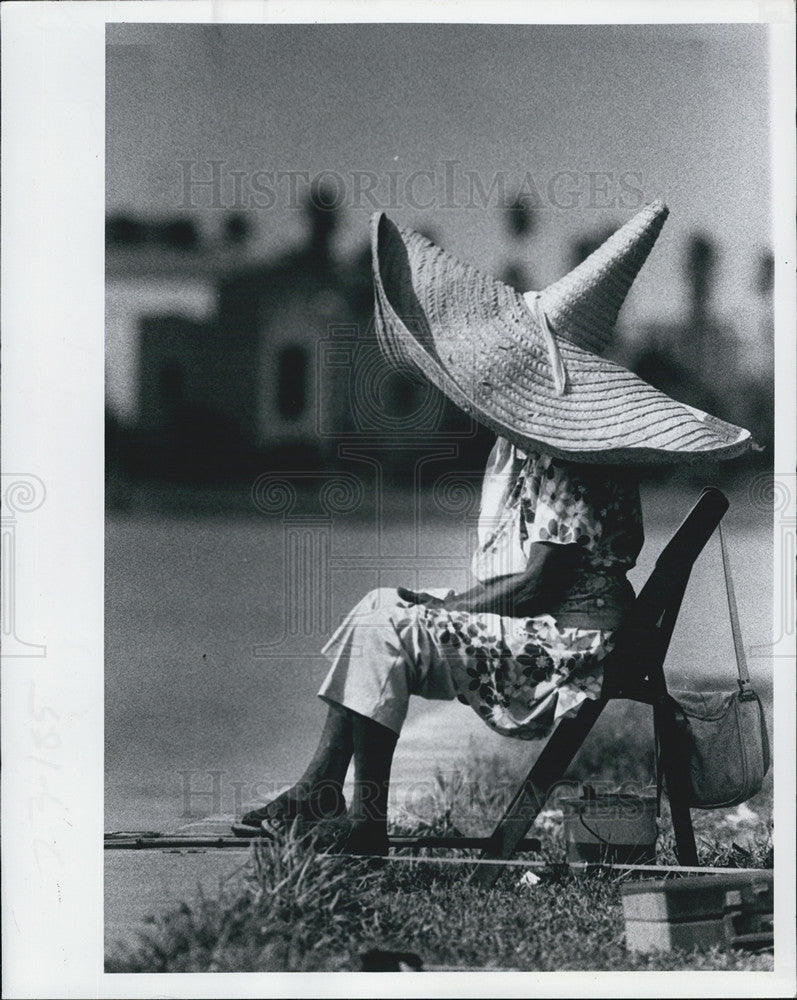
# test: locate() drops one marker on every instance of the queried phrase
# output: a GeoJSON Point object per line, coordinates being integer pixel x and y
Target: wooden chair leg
{"type": "Point", "coordinates": [674, 766]}
{"type": "Point", "coordinates": [548, 770]}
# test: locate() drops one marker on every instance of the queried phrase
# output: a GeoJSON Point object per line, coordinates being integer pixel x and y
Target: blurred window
{"type": "Point", "coordinates": [126, 231]}
{"type": "Point", "coordinates": [292, 382]}
{"type": "Point", "coordinates": [180, 234]}
{"type": "Point", "coordinates": [171, 380]}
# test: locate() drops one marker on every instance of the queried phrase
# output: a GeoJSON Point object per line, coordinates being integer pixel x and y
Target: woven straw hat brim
{"type": "Point", "coordinates": [477, 341]}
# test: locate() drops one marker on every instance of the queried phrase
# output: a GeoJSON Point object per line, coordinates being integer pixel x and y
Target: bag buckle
{"type": "Point", "coordinates": [746, 692]}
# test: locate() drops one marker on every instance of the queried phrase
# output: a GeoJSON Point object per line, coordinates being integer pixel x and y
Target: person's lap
{"type": "Point", "coordinates": [520, 674]}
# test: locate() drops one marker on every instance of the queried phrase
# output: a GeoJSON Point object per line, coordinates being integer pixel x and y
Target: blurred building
{"type": "Point", "coordinates": [221, 366]}
{"type": "Point", "coordinates": [275, 315]}
{"type": "Point", "coordinates": [147, 277]}
{"type": "Point", "coordinates": [218, 364]}
{"type": "Point", "coordinates": [706, 360]}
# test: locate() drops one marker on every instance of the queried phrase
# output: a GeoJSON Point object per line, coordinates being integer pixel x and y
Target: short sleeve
{"type": "Point", "coordinates": [594, 507]}
{"type": "Point", "coordinates": [500, 475]}
{"type": "Point", "coordinates": [563, 513]}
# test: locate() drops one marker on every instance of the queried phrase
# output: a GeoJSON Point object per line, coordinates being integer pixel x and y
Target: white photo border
{"type": "Point", "coordinates": [53, 176]}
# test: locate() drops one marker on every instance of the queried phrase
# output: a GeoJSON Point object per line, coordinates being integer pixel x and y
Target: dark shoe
{"type": "Point", "coordinates": [366, 840]}
{"type": "Point", "coordinates": [362, 844]}
{"type": "Point", "coordinates": [276, 816]}
{"type": "Point", "coordinates": [243, 830]}
{"type": "Point", "coordinates": [254, 818]}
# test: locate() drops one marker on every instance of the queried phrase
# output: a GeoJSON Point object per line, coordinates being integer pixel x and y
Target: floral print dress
{"type": "Point", "coordinates": [523, 674]}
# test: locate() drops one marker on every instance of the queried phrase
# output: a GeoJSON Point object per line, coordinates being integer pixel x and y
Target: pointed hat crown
{"type": "Point", "coordinates": [582, 306]}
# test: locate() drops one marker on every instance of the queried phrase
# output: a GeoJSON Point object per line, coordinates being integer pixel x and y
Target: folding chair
{"type": "Point", "coordinates": [626, 675]}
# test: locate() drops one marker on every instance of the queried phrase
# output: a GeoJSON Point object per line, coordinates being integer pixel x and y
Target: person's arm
{"type": "Point", "coordinates": [423, 597]}
{"type": "Point", "coordinates": [548, 570]}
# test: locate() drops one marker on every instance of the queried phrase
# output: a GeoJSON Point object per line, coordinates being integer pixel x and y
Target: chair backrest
{"type": "Point", "coordinates": [652, 620]}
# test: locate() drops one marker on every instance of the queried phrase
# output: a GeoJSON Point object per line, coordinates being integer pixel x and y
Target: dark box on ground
{"type": "Point", "coordinates": [614, 827]}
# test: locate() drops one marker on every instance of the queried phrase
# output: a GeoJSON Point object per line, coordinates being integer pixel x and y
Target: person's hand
{"type": "Point", "coordinates": [421, 597]}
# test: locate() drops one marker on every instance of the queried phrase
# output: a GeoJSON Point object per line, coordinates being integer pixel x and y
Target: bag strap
{"type": "Point", "coordinates": [741, 660]}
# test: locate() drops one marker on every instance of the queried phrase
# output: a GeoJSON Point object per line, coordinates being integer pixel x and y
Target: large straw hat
{"type": "Point", "coordinates": [529, 366]}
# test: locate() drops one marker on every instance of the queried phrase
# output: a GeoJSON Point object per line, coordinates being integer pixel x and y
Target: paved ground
{"type": "Point", "coordinates": [142, 882]}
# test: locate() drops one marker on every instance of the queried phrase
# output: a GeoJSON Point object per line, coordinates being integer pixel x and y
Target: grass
{"type": "Point", "coordinates": [299, 910]}
{"type": "Point", "coordinates": [291, 910]}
